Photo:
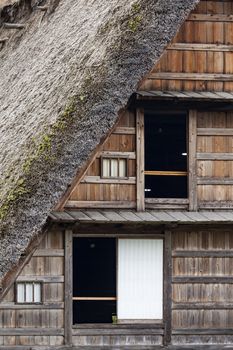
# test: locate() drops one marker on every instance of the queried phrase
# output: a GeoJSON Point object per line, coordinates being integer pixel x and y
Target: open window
{"type": "Point", "coordinates": [165, 155]}
{"type": "Point", "coordinates": [117, 278]}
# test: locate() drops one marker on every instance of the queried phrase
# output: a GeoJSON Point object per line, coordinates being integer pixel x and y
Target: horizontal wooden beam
{"type": "Point", "coordinates": [44, 306]}
{"type": "Point", "coordinates": [202, 306]}
{"type": "Point", "coordinates": [100, 204]}
{"type": "Point", "coordinates": [214, 181]}
{"type": "Point", "coordinates": [13, 25]}
{"type": "Point", "coordinates": [210, 18]}
{"type": "Point", "coordinates": [100, 180]}
{"type": "Point", "coordinates": [117, 330]}
{"type": "Point", "coordinates": [203, 279]}
{"type": "Point", "coordinates": [202, 253]}
{"type": "Point", "coordinates": [124, 130]}
{"type": "Point", "coordinates": [129, 155]}
{"type": "Point", "coordinates": [216, 204]}
{"type": "Point", "coordinates": [49, 252]}
{"type": "Point", "coordinates": [200, 47]}
{"type": "Point", "coordinates": [31, 331]}
{"type": "Point", "coordinates": [191, 76]}
{"type": "Point", "coordinates": [45, 279]}
{"type": "Point", "coordinates": [202, 331]}
{"type": "Point", "coordinates": [215, 132]}
{"type": "Point", "coordinates": [166, 201]}
{"type": "Point", "coordinates": [215, 156]}
{"type": "Point", "coordinates": [165, 173]}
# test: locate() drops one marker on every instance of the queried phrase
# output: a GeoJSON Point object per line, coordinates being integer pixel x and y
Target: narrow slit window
{"type": "Point", "coordinates": [165, 155]}
{"type": "Point", "coordinates": [114, 167]}
{"type": "Point", "coordinates": [29, 292]}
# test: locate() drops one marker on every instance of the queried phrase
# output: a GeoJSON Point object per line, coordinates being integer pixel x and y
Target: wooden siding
{"type": "Point", "coordinates": [37, 324]}
{"type": "Point", "coordinates": [202, 297]}
{"type": "Point", "coordinates": [214, 159]}
{"type": "Point", "coordinates": [96, 192]}
{"type": "Point", "coordinates": [200, 58]}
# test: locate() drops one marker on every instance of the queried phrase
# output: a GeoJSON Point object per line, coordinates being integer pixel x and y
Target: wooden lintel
{"type": "Point", "coordinates": [214, 181]}
{"type": "Point", "coordinates": [215, 156]}
{"type": "Point", "coordinates": [202, 306]}
{"type": "Point", "coordinates": [125, 130]}
{"type": "Point", "coordinates": [203, 254]}
{"type": "Point", "coordinates": [203, 279]}
{"type": "Point", "coordinates": [210, 18]}
{"type": "Point", "coordinates": [215, 132]}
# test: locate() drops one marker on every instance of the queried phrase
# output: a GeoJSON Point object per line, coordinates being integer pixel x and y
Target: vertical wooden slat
{"type": "Point", "coordinates": [167, 302]}
{"type": "Point", "coordinates": [140, 160]}
{"type": "Point", "coordinates": [192, 160]}
{"type": "Point", "coordinates": [68, 288]}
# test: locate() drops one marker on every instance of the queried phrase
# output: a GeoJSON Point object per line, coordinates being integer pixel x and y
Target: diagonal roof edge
{"type": "Point", "coordinates": [132, 42]}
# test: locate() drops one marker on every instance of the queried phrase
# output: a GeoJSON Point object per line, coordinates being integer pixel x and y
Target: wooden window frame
{"type": "Point", "coordinates": [166, 286]}
{"type": "Point", "coordinates": [29, 282]}
{"type": "Point", "coordinates": [126, 158]}
{"type": "Point", "coordinates": [190, 202]}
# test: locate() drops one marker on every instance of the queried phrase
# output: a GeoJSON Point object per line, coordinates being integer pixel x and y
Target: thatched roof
{"type": "Point", "coordinates": [63, 81]}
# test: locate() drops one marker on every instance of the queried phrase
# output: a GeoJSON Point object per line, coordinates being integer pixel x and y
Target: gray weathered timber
{"type": "Point", "coordinates": [61, 89]}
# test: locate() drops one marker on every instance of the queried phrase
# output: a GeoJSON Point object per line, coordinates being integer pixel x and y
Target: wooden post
{"type": "Point", "coordinates": [192, 163]}
{"type": "Point", "coordinates": [167, 302]}
{"type": "Point", "coordinates": [68, 287]}
{"type": "Point", "coordinates": [140, 160]}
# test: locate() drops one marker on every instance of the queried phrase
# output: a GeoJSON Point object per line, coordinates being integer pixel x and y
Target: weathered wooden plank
{"type": "Point", "coordinates": [99, 204]}
{"type": "Point", "coordinates": [31, 331]}
{"type": "Point", "coordinates": [167, 312]}
{"type": "Point", "coordinates": [203, 253]}
{"type": "Point", "coordinates": [68, 287]}
{"type": "Point", "coordinates": [202, 306]}
{"type": "Point", "coordinates": [116, 331]}
{"type": "Point", "coordinates": [79, 215]}
{"type": "Point", "coordinates": [210, 18]}
{"type": "Point", "coordinates": [166, 201]}
{"type": "Point", "coordinates": [125, 130]}
{"type": "Point", "coordinates": [216, 204]}
{"type": "Point", "coordinates": [162, 216]}
{"type": "Point", "coordinates": [113, 216]}
{"type": "Point", "coordinates": [99, 180]}
{"type": "Point", "coordinates": [215, 156]}
{"type": "Point", "coordinates": [215, 132]}
{"type": "Point", "coordinates": [45, 279]}
{"type": "Point", "coordinates": [44, 306]}
{"type": "Point", "coordinates": [130, 155]}
{"type": "Point", "coordinates": [96, 215]}
{"type": "Point", "coordinates": [49, 252]}
{"type": "Point", "coordinates": [140, 178]}
{"type": "Point", "coordinates": [129, 216]}
{"type": "Point", "coordinates": [203, 279]}
{"type": "Point", "coordinates": [200, 47]}
{"type": "Point", "coordinates": [201, 331]}
{"type": "Point", "coordinates": [192, 76]}
{"type": "Point", "coordinates": [214, 181]}
{"type": "Point", "coordinates": [62, 216]}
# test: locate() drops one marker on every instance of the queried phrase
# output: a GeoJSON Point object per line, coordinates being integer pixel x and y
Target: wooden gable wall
{"type": "Point", "coordinates": [200, 58]}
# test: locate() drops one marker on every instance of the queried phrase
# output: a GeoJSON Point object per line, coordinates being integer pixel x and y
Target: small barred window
{"type": "Point", "coordinates": [114, 167]}
{"type": "Point", "coordinates": [29, 292]}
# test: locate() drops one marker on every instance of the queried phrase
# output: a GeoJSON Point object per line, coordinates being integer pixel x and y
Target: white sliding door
{"type": "Point", "coordinates": [140, 279]}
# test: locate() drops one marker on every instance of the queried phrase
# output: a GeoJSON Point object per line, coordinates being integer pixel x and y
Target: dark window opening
{"type": "Point", "coordinates": [165, 155]}
{"type": "Point", "coordinates": [94, 280]}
